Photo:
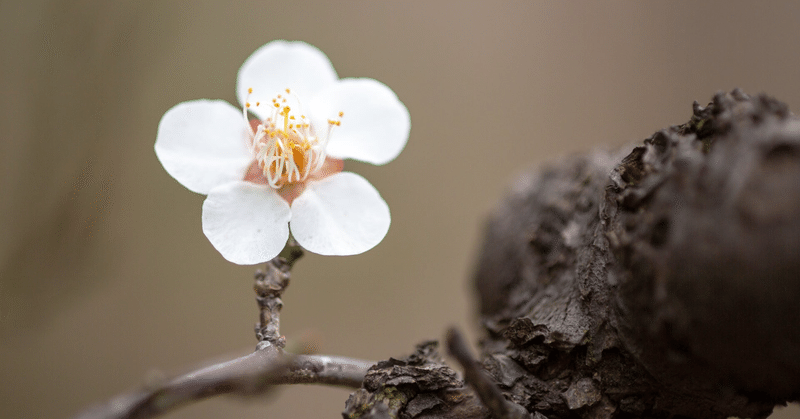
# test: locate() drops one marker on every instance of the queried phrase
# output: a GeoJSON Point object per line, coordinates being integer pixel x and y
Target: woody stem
{"type": "Point", "coordinates": [269, 287]}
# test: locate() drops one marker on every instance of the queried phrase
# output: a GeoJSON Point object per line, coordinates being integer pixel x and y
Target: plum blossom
{"type": "Point", "coordinates": [276, 162]}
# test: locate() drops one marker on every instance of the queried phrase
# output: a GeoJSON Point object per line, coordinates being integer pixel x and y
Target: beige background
{"type": "Point", "coordinates": [105, 275]}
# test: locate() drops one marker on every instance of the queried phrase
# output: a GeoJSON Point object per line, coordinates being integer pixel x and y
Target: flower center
{"type": "Point", "coordinates": [286, 147]}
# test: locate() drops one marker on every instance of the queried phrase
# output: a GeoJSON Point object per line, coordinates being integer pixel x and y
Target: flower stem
{"type": "Point", "coordinates": [292, 252]}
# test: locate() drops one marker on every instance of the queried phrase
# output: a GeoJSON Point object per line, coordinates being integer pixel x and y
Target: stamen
{"type": "Point", "coordinates": [244, 114]}
{"type": "Point", "coordinates": [293, 153]}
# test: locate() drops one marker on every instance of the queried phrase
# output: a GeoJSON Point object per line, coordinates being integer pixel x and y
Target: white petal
{"type": "Point", "coordinates": [375, 125]}
{"type": "Point", "coordinates": [279, 65]}
{"type": "Point", "coordinates": [340, 215]}
{"type": "Point", "coordinates": [202, 144]}
{"type": "Point", "coordinates": [246, 223]}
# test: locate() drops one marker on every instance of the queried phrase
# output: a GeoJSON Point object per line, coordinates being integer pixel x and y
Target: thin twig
{"type": "Point", "coordinates": [487, 391]}
{"type": "Point", "coordinates": [247, 376]}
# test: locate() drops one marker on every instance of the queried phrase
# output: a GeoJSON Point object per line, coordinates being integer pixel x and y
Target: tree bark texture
{"type": "Point", "coordinates": [657, 282]}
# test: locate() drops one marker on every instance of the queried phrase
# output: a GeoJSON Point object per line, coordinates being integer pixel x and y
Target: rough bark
{"type": "Point", "coordinates": [657, 282]}
{"type": "Point", "coordinates": [418, 386]}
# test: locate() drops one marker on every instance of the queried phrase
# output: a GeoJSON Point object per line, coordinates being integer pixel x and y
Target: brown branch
{"type": "Point", "coordinates": [249, 375]}
{"type": "Point", "coordinates": [324, 369]}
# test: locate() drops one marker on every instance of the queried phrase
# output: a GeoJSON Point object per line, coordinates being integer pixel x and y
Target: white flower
{"type": "Point", "coordinates": [283, 167]}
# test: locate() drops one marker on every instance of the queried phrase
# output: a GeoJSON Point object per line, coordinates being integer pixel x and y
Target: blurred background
{"type": "Point", "coordinates": [106, 279]}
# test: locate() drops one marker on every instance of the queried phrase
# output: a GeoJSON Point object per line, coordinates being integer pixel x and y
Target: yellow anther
{"type": "Point", "coordinates": [288, 91]}
{"type": "Point", "coordinates": [258, 103]}
{"type": "Point", "coordinates": [276, 105]}
{"type": "Point", "coordinates": [247, 104]}
{"type": "Point", "coordinates": [249, 90]}
{"type": "Point", "coordinates": [341, 114]}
